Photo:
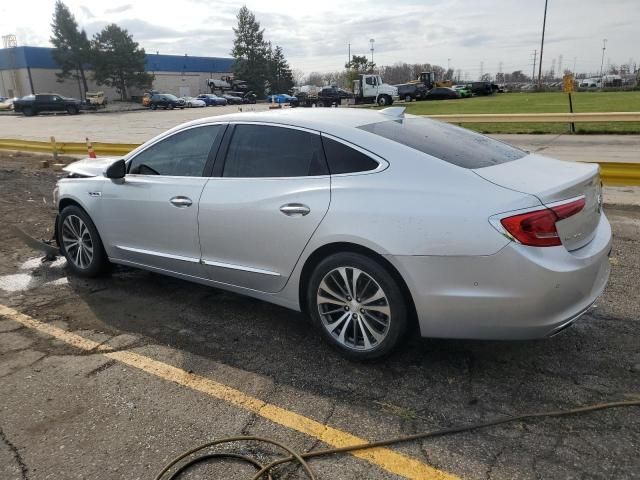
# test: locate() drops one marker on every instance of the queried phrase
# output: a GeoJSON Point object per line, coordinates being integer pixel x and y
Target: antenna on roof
{"type": "Point", "coordinates": [394, 111]}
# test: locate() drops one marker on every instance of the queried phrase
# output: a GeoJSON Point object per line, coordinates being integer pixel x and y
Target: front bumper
{"type": "Point", "coordinates": [517, 293]}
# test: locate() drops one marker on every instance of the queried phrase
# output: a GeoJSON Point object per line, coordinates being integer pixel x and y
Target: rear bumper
{"type": "Point", "coordinates": [518, 293]}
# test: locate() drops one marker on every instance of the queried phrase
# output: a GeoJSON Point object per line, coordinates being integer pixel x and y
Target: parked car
{"type": "Point", "coordinates": [463, 90]}
{"type": "Point", "coordinates": [211, 99]}
{"type": "Point", "coordinates": [96, 99]}
{"type": "Point", "coordinates": [364, 220]}
{"type": "Point", "coordinates": [442, 93]}
{"type": "Point", "coordinates": [7, 103]}
{"type": "Point", "coordinates": [329, 96]}
{"type": "Point", "coordinates": [481, 88]}
{"type": "Point", "coordinates": [282, 98]}
{"type": "Point", "coordinates": [193, 102]}
{"type": "Point", "coordinates": [412, 91]}
{"type": "Point", "coordinates": [247, 97]}
{"type": "Point", "coordinates": [166, 101]}
{"type": "Point", "coordinates": [233, 99]}
{"type": "Point", "coordinates": [46, 102]}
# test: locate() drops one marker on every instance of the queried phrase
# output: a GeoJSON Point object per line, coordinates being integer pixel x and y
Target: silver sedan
{"type": "Point", "coordinates": [367, 221]}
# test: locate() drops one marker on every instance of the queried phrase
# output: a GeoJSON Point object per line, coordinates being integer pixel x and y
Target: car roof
{"type": "Point", "coordinates": [329, 120]}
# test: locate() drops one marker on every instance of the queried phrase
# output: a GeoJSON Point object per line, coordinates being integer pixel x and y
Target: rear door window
{"type": "Point", "coordinates": [449, 143]}
{"type": "Point", "coordinates": [272, 151]}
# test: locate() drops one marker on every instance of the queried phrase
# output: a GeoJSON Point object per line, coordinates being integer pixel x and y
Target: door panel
{"type": "Point", "coordinates": [142, 225]}
{"type": "Point", "coordinates": [246, 239]}
{"type": "Point", "coordinates": [256, 219]}
{"type": "Point", "coordinates": [151, 216]}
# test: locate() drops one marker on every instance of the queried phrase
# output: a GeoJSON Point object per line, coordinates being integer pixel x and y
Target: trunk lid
{"type": "Point", "coordinates": [553, 181]}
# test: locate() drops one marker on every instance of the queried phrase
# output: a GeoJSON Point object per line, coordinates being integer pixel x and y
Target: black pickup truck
{"type": "Point", "coordinates": [46, 102]}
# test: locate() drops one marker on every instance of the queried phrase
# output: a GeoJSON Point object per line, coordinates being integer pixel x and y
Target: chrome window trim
{"type": "Point", "coordinates": [495, 220]}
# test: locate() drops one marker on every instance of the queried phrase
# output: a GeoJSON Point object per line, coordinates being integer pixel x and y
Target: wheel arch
{"type": "Point", "coordinates": [324, 251]}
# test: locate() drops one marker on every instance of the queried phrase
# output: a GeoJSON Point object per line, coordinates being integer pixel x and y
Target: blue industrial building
{"type": "Point", "coordinates": [25, 70]}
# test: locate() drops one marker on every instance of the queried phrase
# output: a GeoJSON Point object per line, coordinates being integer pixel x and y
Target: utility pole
{"type": "Point", "coordinates": [349, 57]}
{"type": "Point", "coordinates": [604, 47]}
{"type": "Point", "coordinates": [544, 26]}
{"type": "Point", "coordinates": [481, 70]}
{"type": "Point", "coordinates": [533, 73]}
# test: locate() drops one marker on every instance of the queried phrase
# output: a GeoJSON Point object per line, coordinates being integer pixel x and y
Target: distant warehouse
{"type": "Point", "coordinates": [25, 70]}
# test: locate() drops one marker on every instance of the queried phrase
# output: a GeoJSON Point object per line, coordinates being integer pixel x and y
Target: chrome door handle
{"type": "Point", "coordinates": [295, 209]}
{"type": "Point", "coordinates": [181, 202]}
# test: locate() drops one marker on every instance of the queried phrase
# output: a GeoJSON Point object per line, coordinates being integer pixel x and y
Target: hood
{"type": "Point", "coordinates": [90, 167]}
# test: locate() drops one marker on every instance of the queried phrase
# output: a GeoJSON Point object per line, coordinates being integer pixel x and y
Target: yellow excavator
{"type": "Point", "coordinates": [428, 79]}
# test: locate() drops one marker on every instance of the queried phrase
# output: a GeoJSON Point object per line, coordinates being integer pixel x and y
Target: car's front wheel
{"type": "Point", "coordinates": [80, 242]}
{"type": "Point", "coordinates": [357, 305]}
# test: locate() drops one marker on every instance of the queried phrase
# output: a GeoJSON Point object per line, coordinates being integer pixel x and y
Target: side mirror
{"type": "Point", "coordinates": [117, 169]}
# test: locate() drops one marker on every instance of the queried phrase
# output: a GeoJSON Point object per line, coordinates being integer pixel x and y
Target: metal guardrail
{"type": "Point", "coordinates": [538, 117]}
{"type": "Point", "coordinates": [612, 173]}
{"type": "Point", "coordinates": [67, 148]}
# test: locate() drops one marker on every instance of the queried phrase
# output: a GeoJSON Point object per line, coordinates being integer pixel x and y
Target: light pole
{"type": "Point", "coordinates": [371, 41]}
{"type": "Point", "coordinates": [448, 67]}
{"type": "Point", "coordinates": [544, 25]}
{"type": "Point", "coordinates": [604, 47]}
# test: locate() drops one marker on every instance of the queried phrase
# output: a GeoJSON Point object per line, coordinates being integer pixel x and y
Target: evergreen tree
{"type": "Point", "coordinates": [250, 52]}
{"type": "Point", "coordinates": [282, 77]}
{"type": "Point", "coordinates": [119, 61]}
{"type": "Point", "coordinates": [71, 46]}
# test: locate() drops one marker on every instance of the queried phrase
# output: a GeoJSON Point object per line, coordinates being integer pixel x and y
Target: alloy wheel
{"type": "Point", "coordinates": [354, 308]}
{"type": "Point", "coordinates": [77, 241]}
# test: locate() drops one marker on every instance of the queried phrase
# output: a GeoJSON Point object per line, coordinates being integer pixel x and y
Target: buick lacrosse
{"type": "Point", "coordinates": [370, 222]}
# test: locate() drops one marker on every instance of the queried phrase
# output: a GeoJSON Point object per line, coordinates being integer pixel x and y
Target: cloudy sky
{"type": "Point", "coordinates": [315, 35]}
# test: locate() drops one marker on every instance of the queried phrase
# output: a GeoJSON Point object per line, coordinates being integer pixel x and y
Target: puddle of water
{"type": "Point", "coordinates": [34, 273]}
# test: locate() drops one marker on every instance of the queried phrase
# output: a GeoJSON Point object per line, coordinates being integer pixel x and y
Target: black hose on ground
{"type": "Point", "coordinates": [264, 471]}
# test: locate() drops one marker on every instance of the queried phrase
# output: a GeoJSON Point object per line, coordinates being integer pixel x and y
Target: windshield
{"type": "Point", "coordinates": [447, 142]}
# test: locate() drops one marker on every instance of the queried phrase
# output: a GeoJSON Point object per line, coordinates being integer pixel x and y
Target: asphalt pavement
{"type": "Point", "coordinates": [110, 378]}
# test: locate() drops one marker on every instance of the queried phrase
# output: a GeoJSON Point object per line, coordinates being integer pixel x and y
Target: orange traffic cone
{"type": "Point", "coordinates": [92, 154]}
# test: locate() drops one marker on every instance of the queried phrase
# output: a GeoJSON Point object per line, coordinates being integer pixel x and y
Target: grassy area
{"type": "Point", "coordinates": [539, 103]}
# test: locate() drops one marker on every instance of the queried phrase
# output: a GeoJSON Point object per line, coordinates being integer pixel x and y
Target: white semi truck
{"type": "Point", "coordinates": [369, 88]}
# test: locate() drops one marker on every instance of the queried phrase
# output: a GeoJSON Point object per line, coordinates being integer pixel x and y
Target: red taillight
{"type": "Point", "coordinates": [538, 228]}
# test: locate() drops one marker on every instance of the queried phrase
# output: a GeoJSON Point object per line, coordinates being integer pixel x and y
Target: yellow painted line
{"type": "Point", "coordinates": [385, 458]}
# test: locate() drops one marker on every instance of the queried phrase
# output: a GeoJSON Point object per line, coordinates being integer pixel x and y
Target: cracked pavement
{"type": "Point", "coordinates": [70, 414]}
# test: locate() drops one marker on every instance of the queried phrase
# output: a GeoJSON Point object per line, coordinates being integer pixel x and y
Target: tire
{"type": "Point", "coordinates": [383, 321]}
{"type": "Point", "coordinates": [407, 98]}
{"type": "Point", "coordinates": [154, 106]}
{"type": "Point", "coordinates": [28, 112]}
{"type": "Point", "coordinates": [189, 105]}
{"type": "Point", "coordinates": [172, 106]}
{"type": "Point", "coordinates": [384, 101]}
{"type": "Point", "coordinates": [72, 110]}
{"type": "Point", "coordinates": [73, 224]}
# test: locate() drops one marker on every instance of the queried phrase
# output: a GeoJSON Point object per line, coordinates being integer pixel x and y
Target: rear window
{"type": "Point", "coordinates": [449, 143]}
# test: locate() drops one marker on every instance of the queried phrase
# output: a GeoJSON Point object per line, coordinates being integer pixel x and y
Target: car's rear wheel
{"type": "Point", "coordinates": [80, 243]}
{"type": "Point", "coordinates": [154, 106]}
{"type": "Point", "coordinates": [28, 112]}
{"type": "Point", "coordinates": [357, 305]}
